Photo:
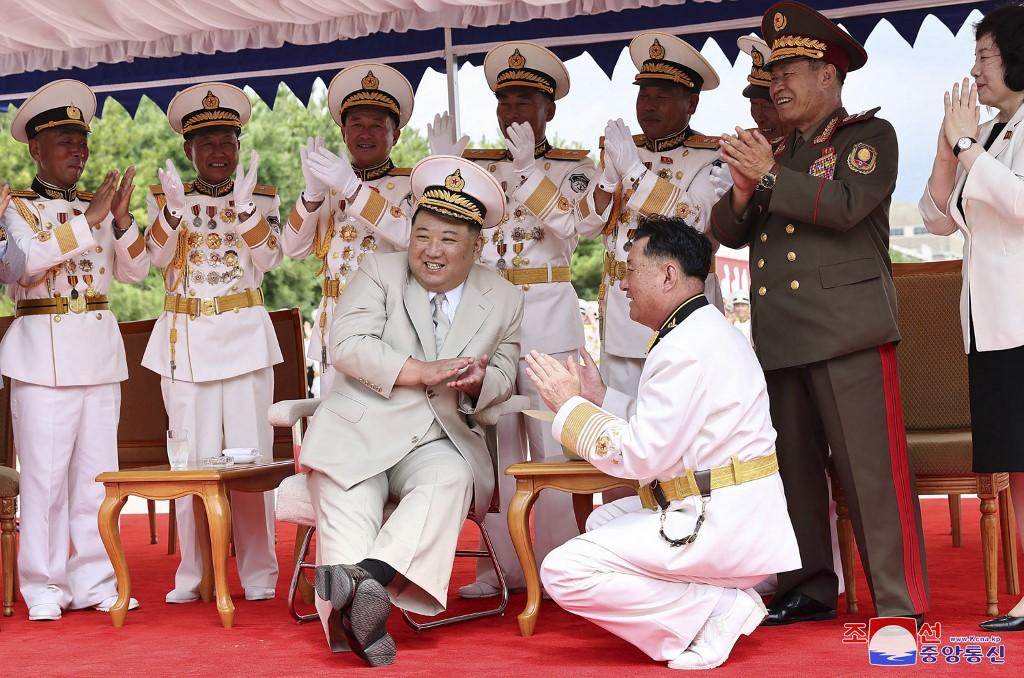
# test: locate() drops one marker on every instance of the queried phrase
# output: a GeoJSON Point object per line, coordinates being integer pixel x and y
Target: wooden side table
{"type": "Point", "coordinates": [578, 477]}
{"type": "Point", "coordinates": [210, 489]}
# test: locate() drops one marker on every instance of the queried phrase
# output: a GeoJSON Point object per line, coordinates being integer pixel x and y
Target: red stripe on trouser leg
{"type": "Point", "coordinates": [912, 567]}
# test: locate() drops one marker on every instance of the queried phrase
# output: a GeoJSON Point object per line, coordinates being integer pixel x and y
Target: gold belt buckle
{"type": "Point", "coordinates": [208, 306]}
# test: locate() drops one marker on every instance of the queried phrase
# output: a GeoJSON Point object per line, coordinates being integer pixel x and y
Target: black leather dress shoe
{"type": "Point", "coordinates": [796, 607]}
{"type": "Point", "coordinates": [1003, 623]}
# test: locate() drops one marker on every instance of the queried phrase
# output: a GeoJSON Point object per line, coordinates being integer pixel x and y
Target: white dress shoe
{"type": "Point", "coordinates": [479, 589]}
{"type": "Point", "coordinates": [109, 601]}
{"type": "Point", "coordinates": [713, 643]}
{"type": "Point", "coordinates": [181, 596]}
{"type": "Point", "coordinates": [44, 612]}
{"type": "Point", "coordinates": [258, 593]}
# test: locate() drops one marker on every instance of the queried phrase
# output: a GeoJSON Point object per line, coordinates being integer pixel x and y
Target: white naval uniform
{"type": "Point", "coordinates": [545, 203]}
{"type": "Point", "coordinates": [223, 381]}
{"type": "Point", "coordinates": [678, 184]}
{"type": "Point", "coordinates": [702, 402]}
{"type": "Point", "coordinates": [65, 375]}
{"type": "Point", "coordinates": [377, 220]}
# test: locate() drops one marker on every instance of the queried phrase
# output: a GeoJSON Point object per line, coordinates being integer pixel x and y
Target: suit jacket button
{"type": "Point", "coordinates": [764, 237]}
{"type": "Point", "coordinates": [791, 256]}
{"type": "Point", "coordinates": [762, 290]}
{"type": "Point", "coordinates": [790, 228]}
{"type": "Point", "coordinates": [760, 263]}
{"type": "Point", "coordinates": [415, 439]}
{"type": "Point", "coordinates": [795, 285]}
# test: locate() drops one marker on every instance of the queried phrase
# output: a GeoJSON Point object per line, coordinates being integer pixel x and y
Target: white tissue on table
{"type": "Point", "coordinates": [239, 454]}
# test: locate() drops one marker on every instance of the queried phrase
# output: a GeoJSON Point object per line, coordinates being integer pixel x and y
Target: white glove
{"type": "Point", "coordinates": [174, 190]}
{"type": "Point", "coordinates": [721, 179]}
{"type": "Point", "coordinates": [521, 144]}
{"type": "Point", "coordinates": [624, 155]}
{"type": "Point", "coordinates": [315, 190]}
{"type": "Point", "coordinates": [609, 177]}
{"type": "Point", "coordinates": [245, 184]}
{"type": "Point", "coordinates": [440, 137]}
{"type": "Point", "coordinates": [334, 171]}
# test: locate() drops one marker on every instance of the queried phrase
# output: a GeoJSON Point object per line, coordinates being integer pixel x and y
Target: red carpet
{"type": "Point", "coordinates": [184, 640]}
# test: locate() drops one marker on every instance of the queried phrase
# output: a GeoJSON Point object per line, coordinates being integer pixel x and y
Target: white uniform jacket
{"type": "Point", "coordinates": [678, 184]}
{"type": "Point", "coordinates": [62, 253]}
{"type": "Point", "coordinates": [341, 235]}
{"type": "Point", "coordinates": [539, 232]}
{"type": "Point", "coordinates": [702, 402]}
{"type": "Point", "coordinates": [993, 264]}
{"type": "Point", "coordinates": [212, 254]}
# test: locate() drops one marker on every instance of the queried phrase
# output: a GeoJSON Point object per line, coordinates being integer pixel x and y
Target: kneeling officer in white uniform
{"type": "Point", "coordinates": [671, 570]}
{"type": "Point", "coordinates": [425, 345]}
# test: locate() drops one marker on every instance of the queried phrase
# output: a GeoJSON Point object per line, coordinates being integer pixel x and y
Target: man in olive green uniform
{"type": "Point", "coordinates": [815, 213]}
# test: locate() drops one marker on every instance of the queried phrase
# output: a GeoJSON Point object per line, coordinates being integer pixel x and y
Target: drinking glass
{"type": "Point", "coordinates": [178, 449]}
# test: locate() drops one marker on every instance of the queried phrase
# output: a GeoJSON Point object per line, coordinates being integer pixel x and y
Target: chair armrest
{"type": "Point", "coordinates": [490, 416]}
{"type": "Point", "coordinates": [286, 412]}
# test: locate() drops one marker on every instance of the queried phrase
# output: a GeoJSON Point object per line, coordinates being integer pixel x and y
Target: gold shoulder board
{"type": "Point", "coordinates": [265, 189]}
{"type": "Point", "coordinates": [400, 171]}
{"type": "Point", "coordinates": [27, 195]}
{"type": "Point", "coordinates": [701, 141]}
{"type": "Point", "coordinates": [859, 117]}
{"type": "Point", "coordinates": [567, 153]}
{"type": "Point", "coordinates": [484, 154]}
{"type": "Point", "coordinates": [640, 140]}
{"type": "Point", "coordinates": [86, 195]}
{"type": "Point", "coordinates": [156, 189]}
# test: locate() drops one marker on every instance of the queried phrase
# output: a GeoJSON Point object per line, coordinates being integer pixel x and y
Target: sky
{"type": "Point", "coordinates": [908, 83]}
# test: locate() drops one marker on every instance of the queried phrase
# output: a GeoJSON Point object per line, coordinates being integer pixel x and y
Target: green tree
{"type": "Point", "coordinates": [588, 267]}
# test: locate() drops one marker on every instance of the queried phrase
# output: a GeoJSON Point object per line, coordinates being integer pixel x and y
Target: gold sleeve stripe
{"type": "Point", "coordinates": [374, 208]}
{"type": "Point", "coordinates": [66, 239]}
{"type": "Point", "coordinates": [294, 220]}
{"type": "Point", "coordinates": [157, 233]}
{"type": "Point", "coordinates": [543, 198]}
{"type": "Point", "coordinates": [137, 247]}
{"type": "Point", "coordinates": [584, 208]}
{"type": "Point", "coordinates": [659, 199]}
{"type": "Point", "coordinates": [575, 423]}
{"type": "Point", "coordinates": [258, 234]}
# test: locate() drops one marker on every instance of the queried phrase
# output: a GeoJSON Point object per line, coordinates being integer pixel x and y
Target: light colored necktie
{"type": "Point", "coordinates": [441, 322]}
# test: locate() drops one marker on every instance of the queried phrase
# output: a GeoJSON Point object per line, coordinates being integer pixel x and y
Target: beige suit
{"type": "Point", "coordinates": [372, 440]}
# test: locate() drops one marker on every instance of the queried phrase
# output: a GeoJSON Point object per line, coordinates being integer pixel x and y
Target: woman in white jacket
{"type": "Point", "coordinates": [977, 187]}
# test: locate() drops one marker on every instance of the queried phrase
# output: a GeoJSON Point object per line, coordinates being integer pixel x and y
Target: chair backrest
{"type": "Point", "coordinates": [933, 366]}
{"type": "Point", "coordinates": [141, 432]}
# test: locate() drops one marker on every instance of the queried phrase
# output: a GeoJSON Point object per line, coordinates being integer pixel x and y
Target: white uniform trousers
{"type": "Point", "coordinates": [632, 590]}
{"type": "Point", "coordinates": [65, 437]}
{"type": "Point", "coordinates": [554, 520]}
{"type": "Point", "coordinates": [433, 489]}
{"type": "Point", "coordinates": [219, 414]}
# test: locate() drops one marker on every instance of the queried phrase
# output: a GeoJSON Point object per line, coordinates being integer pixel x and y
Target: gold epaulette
{"type": "Point", "coordinates": [701, 141]}
{"type": "Point", "coordinates": [265, 189]}
{"type": "Point", "coordinates": [156, 189]}
{"type": "Point", "coordinates": [858, 117]}
{"type": "Point", "coordinates": [484, 154]}
{"type": "Point", "coordinates": [27, 195]}
{"type": "Point", "coordinates": [640, 139]}
{"type": "Point", "coordinates": [567, 153]}
{"type": "Point", "coordinates": [31, 219]}
{"type": "Point", "coordinates": [400, 171]}
{"type": "Point", "coordinates": [85, 195]}
{"type": "Point", "coordinates": [188, 186]}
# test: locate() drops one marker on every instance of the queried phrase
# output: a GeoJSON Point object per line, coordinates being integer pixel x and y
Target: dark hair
{"type": "Point", "coordinates": [673, 238]}
{"type": "Point", "coordinates": [1006, 26]}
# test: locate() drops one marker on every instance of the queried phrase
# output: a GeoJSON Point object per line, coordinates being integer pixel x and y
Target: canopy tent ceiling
{"type": "Point", "coordinates": [130, 48]}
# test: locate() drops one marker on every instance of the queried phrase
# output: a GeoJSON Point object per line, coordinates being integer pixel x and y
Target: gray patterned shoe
{"type": "Point", "coordinates": [365, 624]}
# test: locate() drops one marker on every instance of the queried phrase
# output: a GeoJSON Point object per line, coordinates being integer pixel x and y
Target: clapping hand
{"type": "Point", "coordinates": [99, 206]}
{"type": "Point", "coordinates": [963, 117]}
{"type": "Point", "coordinates": [174, 190]}
{"type": "Point", "coordinates": [334, 171]}
{"type": "Point", "coordinates": [441, 137]}
{"type": "Point", "coordinates": [470, 378]}
{"type": "Point", "coordinates": [121, 200]}
{"type": "Point", "coordinates": [315, 190]}
{"type": "Point", "coordinates": [245, 184]}
{"type": "Point", "coordinates": [556, 383]}
{"type": "Point", "coordinates": [522, 145]}
{"type": "Point", "coordinates": [721, 179]}
{"type": "Point", "coordinates": [749, 157]}
{"type": "Point", "coordinates": [621, 150]}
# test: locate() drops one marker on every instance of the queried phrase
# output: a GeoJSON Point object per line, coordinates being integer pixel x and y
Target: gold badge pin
{"type": "Point", "coordinates": [757, 58]}
{"type": "Point", "coordinates": [454, 181]}
{"type": "Point", "coordinates": [211, 100]}
{"type": "Point", "coordinates": [862, 159]}
{"type": "Point", "coordinates": [73, 113]}
{"type": "Point", "coordinates": [779, 21]}
{"type": "Point", "coordinates": [516, 60]}
{"type": "Point", "coordinates": [370, 81]}
{"type": "Point", "coordinates": [656, 51]}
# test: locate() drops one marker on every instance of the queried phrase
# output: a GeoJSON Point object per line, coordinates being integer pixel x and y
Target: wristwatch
{"type": "Point", "coordinates": [767, 181]}
{"type": "Point", "coordinates": [962, 144]}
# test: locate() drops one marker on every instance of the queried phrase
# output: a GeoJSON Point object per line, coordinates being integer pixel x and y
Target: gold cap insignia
{"type": "Point", "coordinates": [370, 81]}
{"type": "Point", "coordinates": [757, 58]}
{"type": "Point", "coordinates": [779, 21]}
{"type": "Point", "coordinates": [656, 51]}
{"type": "Point", "coordinates": [517, 60]}
{"type": "Point", "coordinates": [455, 182]}
{"type": "Point", "coordinates": [211, 100]}
{"type": "Point", "coordinates": [74, 113]}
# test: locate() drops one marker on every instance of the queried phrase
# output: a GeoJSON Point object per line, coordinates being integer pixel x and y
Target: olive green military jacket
{"type": "Point", "coordinates": [821, 277]}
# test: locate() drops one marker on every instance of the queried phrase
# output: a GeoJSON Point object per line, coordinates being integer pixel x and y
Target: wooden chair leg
{"type": "Point", "coordinates": [954, 518]}
{"type": "Point", "coordinates": [151, 509]}
{"type": "Point", "coordinates": [990, 551]}
{"type": "Point", "coordinates": [847, 547]}
{"type": "Point", "coordinates": [8, 560]}
{"type": "Point", "coordinates": [305, 588]}
{"type": "Point", "coordinates": [1008, 529]}
{"type": "Point", "coordinates": [172, 529]}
